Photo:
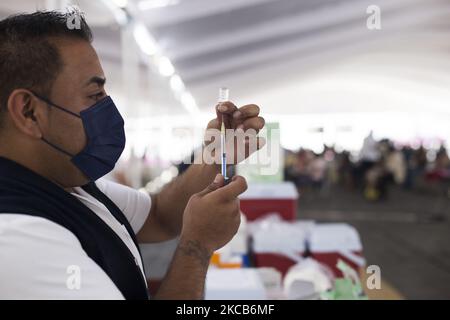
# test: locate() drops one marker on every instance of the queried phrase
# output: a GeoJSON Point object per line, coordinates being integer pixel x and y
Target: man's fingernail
{"type": "Point", "coordinates": [237, 114]}
{"type": "Point", "coordinates": [241, 126]}
{"type": "Point", "coordinates": [217, 178]}
{"type": "Point", "coordinates": [222, 108]}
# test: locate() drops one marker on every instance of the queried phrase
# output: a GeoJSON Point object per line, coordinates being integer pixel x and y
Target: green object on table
{"type": "Point", "coordinates": [347, 288]}
{"type": "Point", "coordinates": [344, 289]}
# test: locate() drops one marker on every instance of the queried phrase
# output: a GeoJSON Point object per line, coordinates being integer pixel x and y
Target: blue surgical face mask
{"type": "Point", "coordinates": [105, 134]}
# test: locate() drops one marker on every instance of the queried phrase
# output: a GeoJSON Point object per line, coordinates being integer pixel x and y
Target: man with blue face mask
{"type": "Point", "coordinates": [65, 233]}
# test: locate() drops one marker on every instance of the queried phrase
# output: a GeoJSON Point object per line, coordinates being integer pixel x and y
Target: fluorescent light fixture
{"type": "Point", "coordinates": [121, 3]}
{"type": "Point", "coordinates": [148, 45]}
{"type": "Point", "coordinates": [154, 4]}
{"type": "Point", "coordinates": [176, 83]}
{"type": "Point", "coordinates": [189, 103]}
{"type": "Point", "coordinates": [165, 67]}
{"type": "Point", "coordinates": [144, 40]}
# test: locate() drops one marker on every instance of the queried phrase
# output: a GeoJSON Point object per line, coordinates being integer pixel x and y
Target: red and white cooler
{"type": "Point", "coordinates": [264, 198]}
{"type": "Point", "coordinates": [280, 244]}
{"type": "Point", "coordinates": [329, 242]}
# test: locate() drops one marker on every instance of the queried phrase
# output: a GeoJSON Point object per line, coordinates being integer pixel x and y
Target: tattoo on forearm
{"type": "Point", "coordinates": [196, 250]}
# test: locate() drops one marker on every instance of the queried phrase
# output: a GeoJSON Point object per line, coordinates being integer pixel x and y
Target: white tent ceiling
{"type": "Point", "coordinates": [289, 56]}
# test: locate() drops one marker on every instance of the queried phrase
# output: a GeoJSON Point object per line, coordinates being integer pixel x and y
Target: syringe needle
{"type": "Point", "coordinates": [223, 96]}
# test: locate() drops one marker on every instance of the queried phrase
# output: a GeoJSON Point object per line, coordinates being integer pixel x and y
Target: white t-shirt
{"type": "Point", "coordinates": [40, 259]}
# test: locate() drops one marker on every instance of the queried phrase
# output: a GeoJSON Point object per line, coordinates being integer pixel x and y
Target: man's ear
{"type": "Point", "coordinates": [24, 112]}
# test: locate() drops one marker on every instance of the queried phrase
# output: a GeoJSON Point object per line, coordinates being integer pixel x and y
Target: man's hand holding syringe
{"type": "Point", "coordinates": [211, 216]}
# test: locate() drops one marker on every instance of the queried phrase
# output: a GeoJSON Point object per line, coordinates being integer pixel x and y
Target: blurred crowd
{"type": "Point", "coordinates": [378, 166]}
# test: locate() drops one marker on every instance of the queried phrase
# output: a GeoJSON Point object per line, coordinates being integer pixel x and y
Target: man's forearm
{"type": "Point", "coordinates": [172, 199]}
{"type": "Point", "coordinates": [185, 278]}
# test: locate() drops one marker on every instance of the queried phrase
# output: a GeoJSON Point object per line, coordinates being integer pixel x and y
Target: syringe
{"type": "Point", "coordinates": [223, 97]}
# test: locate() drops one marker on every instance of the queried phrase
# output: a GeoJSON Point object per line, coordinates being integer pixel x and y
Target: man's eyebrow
{"type": "Point", "coordinates": [100, 81]}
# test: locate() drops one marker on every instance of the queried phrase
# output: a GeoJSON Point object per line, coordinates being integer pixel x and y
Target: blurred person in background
{"type": "Point", "coordinates": [405, 167]}
{"type": "Point", "coordinates": [369, 155]}
{"type": "Point", "coordinates": [317, 170]}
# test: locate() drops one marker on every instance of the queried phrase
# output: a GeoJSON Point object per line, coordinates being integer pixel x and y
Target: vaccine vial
{"type": "Point", "coordinates": [224, 94]}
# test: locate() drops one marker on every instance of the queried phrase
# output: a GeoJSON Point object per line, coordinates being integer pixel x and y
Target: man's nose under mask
{"type": "Point", "coordinates": [105, 134]}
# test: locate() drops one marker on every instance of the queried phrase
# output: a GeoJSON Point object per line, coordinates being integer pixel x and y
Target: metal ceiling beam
{"type": "Point", "coordinates": [408, 19]}
{"type": "Point", "coordinates": [193, 9]}
{"type": "Point", "coordinates": [310, 20]}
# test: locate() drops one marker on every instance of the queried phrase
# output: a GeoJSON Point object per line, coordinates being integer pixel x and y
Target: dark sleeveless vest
{"type": "Point", "coordinates": [24, 192]}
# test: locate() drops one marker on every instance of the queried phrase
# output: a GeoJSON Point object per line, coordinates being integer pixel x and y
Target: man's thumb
{"type": "Point", "coordinates": [216, 184]}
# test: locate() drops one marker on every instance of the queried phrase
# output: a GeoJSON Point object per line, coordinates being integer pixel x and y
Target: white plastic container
{"type": "Point", "coordinates": [234, 284]}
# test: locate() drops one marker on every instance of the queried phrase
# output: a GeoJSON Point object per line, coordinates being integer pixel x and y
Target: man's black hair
{"type": "Point", "coordinates": [28, 56]}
